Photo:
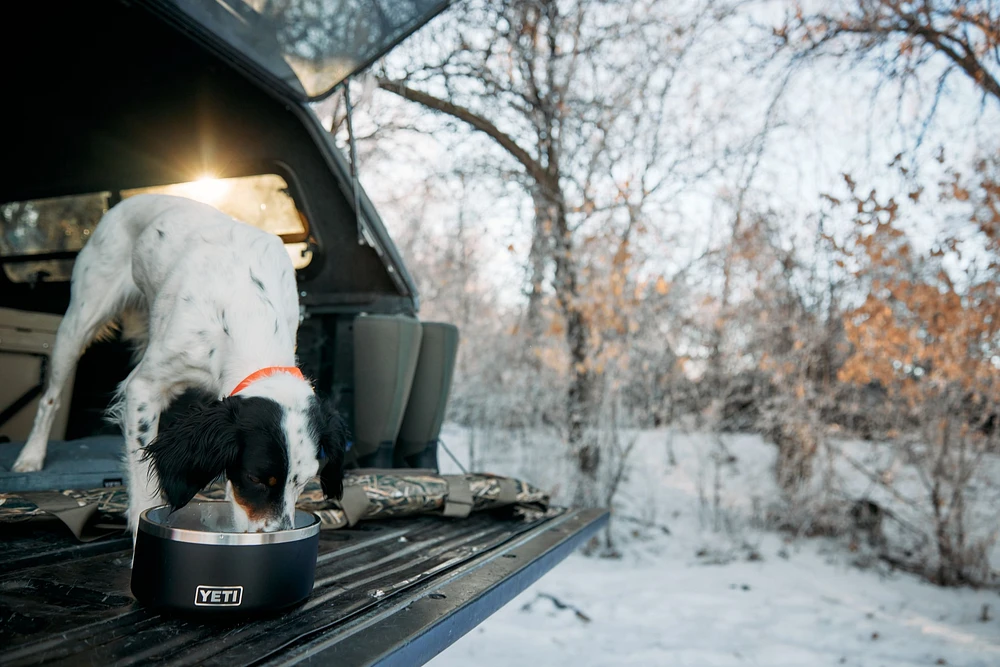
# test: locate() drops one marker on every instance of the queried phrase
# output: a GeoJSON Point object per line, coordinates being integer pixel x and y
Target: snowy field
{"type": "Point", "coordinates": [696, 583]}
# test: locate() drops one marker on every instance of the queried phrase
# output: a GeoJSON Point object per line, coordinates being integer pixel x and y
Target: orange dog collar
{"type": "Point", "coordinates": [266, 372]}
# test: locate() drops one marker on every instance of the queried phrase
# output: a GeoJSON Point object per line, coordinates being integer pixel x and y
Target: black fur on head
{"type": "Point", "coordinates": [201, 437]}
{"type": "Point", "coordinates": [331, 439]}
{"type": "Point", "coordinates": [194, 446]}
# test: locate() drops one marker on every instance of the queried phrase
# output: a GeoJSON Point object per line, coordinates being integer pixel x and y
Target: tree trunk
{"type": "Point", "coordinates": [552, 241]}
{"type": "Point", "coordinates": [580, 396]}
{"type": "Point", "coordinates": [537, 261]}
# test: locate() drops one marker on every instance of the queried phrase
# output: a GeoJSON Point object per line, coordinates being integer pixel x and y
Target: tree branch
{"type": "Point", "coordinates": [532, 166]}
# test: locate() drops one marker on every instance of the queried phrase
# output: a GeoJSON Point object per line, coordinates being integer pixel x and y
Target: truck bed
{"type": "Point", "coordinates": [393, 592]}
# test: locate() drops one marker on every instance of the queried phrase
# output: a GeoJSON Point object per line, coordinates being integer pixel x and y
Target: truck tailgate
{"type": "Point", "coordinates": [387, 592]}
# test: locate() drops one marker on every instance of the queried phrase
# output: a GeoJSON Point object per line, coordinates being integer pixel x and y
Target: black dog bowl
{"type": "Point", "coordinates": [193, 560]}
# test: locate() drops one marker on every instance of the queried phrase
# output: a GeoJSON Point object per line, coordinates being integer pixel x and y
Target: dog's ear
{"type": "Point", "coordinates": [195, 449]}
{"type": "Point", "coordinates": [331, 441]}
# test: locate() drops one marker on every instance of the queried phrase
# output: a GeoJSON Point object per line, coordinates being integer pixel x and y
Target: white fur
{"type": "Point", "coordinates": [221, 302]}
{"type": "Point", "coordinates": [294, 397]}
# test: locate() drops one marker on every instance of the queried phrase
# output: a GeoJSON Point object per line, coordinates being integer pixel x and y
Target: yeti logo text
{"type": "Point", "coordinates": [218, 596]}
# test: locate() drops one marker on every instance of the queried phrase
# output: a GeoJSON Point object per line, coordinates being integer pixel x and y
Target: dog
{"type": "Point", "coordinates": [211, 305]}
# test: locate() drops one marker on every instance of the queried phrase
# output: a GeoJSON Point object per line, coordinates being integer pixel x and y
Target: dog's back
{"type": "Point", "coordinates": [155, 236]}
{"type": "Point", "coordinates": [171, 254]}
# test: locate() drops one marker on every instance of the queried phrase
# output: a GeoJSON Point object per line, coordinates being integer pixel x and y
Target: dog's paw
{"type": "Point", "coordinates": [28, 463]}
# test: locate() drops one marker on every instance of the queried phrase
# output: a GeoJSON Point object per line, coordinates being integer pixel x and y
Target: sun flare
{"type": "Point", "coordinates": [207, 188]}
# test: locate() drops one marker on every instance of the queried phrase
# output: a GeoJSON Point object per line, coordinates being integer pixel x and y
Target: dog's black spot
{"type": "Point", "coordinates": [160, 232]}
{"type": "Point", "coordinates": [194, 445]}
{"type": "Point", "coordinates": [256, 281]}
{"type": "Point", "coordinates": [211, 353]}
{"type": "Point", "coordinates": [332, 439]}
{"type": "Point", "coordinates": [189, 400]}
{"type": "Point", "coordinates": [141, 407]}
{"type": "Point", "coordinates": [143, 426]}
{"type": "Point", "coordinates": [142, 441]}
{"type": "Point", "coordinates": [262, 457]}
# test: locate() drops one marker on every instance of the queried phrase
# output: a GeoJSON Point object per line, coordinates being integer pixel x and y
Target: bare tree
{"type": "Point", "coordinates": [578, 95]}
{"type": "Point", "coordinates": [904, 36]}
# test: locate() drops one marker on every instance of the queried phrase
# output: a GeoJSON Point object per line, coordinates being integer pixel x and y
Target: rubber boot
{"type": "Point", "coordinates": [380, 458]}
{"type": "Point", "coordinates": [386, 349]}
{"type": "Point", "coordinates": [425, 458]}
{"type": "Point", "coordinates": [417, 443]}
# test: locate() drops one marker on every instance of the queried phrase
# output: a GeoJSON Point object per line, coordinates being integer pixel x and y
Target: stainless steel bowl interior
{"type": "Point", "coordinates": [211, 522]}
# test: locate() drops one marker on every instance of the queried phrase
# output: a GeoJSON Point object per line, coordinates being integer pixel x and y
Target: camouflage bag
{"type": "Point", "coordinates": [368, 495]}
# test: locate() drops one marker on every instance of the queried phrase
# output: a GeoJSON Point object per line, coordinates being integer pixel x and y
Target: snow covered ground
{"type": "Point", "coordinates": [697, 584]}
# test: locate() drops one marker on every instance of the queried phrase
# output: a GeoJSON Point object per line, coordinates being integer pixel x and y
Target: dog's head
{"type": "Point", "coordinates": [269, 440]}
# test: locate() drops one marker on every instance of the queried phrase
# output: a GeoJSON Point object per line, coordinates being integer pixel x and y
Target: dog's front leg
{"type": "Point", "coordinates": [140, 423]}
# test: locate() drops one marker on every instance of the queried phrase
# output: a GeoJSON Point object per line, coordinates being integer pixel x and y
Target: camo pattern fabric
{"type": "Point", "coordinates": [400, 495]}
{"type": "Point", "coordinates": [389, 493]}
{"type": "Point", "coordinates": [487, 492]}
{"type": "Point", "coordinates": [112, 505]}
{"type": "Point", "coordinates": [394, 494]}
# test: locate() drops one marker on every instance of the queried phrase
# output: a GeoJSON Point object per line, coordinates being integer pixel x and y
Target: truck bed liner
{"type": "Point", "coordinates": [387, 592]}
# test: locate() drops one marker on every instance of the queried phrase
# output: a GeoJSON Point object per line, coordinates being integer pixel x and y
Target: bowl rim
{"type": "Point", "coordinates": [150, 527]}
